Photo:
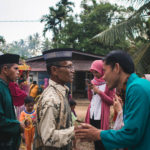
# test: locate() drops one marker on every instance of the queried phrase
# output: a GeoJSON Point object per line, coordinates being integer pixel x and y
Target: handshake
{"type": "Point", "coordinates": [86, 132]}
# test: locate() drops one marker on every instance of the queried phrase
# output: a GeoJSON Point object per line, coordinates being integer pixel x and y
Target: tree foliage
{"type": "Point", "coordinates": [2, 43]}
{"type": "Point", "coordinates": [78, 30]}
{"type": "Point", "coordinates": [135, 28]}
{"type": "Point", "coordinates": [57, 16]}
{"type": "Point", "coordinates": [25, 48]}
{"type": "Point", "coordinates": [2, 40]}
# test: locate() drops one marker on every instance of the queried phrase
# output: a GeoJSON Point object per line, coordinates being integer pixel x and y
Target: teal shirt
{"type": "Point", "coordinates": [9, 125]}
{"type": "Point", "coordinates": [135, 135]}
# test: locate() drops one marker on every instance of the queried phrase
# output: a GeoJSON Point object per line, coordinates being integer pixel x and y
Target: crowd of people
{"type": "Point", "coordinates": [51, 123]}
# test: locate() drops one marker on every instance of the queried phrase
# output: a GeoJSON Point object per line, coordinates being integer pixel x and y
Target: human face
{"type": "Point", "coordinates": [96, 74]}
{"type": "Point", "coordinates": [64, 73]}
{"type": "Point", "coordinates": [111, 76]}
{"type": "Point", "coordinates": [29, 107]}
{"type": "Point", "coordinates": [12, 73]}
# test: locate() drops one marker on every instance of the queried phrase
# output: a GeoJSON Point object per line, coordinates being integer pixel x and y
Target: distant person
{"type": "Point", "coordinates": [46, 83]}
{"type": "Point", "coordinates": [55, 129]}
{"type": "Point", "coordinates": [34, 89]}
{"type": "Point", "coordinates": [23, 84]}
{"type": "Point", "coordinates": [28, 117]}
{"type": "Point", "coordinates": [101, 99]}
{"type": "Point", "coordinates": [10, 127]}
{"type": "Point", "coordinates": [135, 134]}
{"type": "Point", "coordinates": [73, 104]}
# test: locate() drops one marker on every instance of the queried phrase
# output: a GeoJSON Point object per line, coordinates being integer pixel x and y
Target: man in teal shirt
{"type": "Point", "coordinates": [135, 134]}
{"type": "Point", "coordinates": [10, 127]}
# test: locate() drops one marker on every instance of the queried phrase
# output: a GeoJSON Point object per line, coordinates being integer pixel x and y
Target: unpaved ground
{"type": "Point", "coordinates": [81, 109]}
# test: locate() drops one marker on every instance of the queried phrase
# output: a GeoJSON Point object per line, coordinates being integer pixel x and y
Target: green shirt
{"type": "Point", "coordinates": [9, 125]}
{"type": "Point", "coordinates": [135, 135]}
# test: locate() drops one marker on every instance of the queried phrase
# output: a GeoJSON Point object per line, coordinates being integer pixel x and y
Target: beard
{"type": "Point", "coordinates": [114, 84]}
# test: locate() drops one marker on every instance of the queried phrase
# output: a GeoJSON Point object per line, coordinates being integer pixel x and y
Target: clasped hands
{"type": "Point", "coordinates": [86, 132]}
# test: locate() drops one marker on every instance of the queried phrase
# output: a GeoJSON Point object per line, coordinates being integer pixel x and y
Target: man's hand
{"type": "Point", "coordinates": [86, 132]}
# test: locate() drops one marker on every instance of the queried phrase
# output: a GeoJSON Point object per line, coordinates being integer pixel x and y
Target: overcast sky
{"type": "Point", "coordinates": [24, 10]}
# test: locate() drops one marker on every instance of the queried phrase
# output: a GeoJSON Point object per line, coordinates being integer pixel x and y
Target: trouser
{"type": "Point", "coordinates": [98, 144]}
{"type": "Point", "coordinates": [29, 135]}
{"type": "Point", "coordinates": [6, 145]}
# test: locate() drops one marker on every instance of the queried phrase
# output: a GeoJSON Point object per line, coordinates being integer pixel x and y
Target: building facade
{"type": "Point", "coordinates": [81, 61]}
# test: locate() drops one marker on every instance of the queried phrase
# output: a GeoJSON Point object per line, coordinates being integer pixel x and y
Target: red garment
{"type": "Point", "coordinates": [115, 116]}
{"type": "Point", "coordinates": [17, 94]}
{"type": "Point", "coordinates": [107, 100]}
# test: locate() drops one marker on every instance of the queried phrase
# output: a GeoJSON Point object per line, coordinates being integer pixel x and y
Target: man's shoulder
{"type": "Point", "coordinates": [50, 95]}
{"type": "Point", "coordinates": [139, 82]}
{"type": "Point", "coordinates": [3, 86]}
{"type": "Point", "coordinates": [139, 86]}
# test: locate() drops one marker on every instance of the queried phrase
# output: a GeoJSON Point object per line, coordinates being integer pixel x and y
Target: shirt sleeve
{"type": "Point", "coordinates": [8, 125]}
{"type": "Point", "coordinates": [135, 120]}
{"type": "Point", "coordinates": [49, 134]}
{"type": "Point", "coordinates": [89, 92]}
{"type": "Point", "coordinates": [107, 96]}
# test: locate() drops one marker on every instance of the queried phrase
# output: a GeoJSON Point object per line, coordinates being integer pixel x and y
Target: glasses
{"type": "Point", "coordinates": [68, 67]}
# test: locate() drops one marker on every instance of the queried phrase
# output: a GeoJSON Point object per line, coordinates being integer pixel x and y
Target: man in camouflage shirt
{"type": "Point", "coordinates": [54, 129]}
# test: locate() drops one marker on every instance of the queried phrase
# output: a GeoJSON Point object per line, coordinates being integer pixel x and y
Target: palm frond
{"type": "Point", "coordinates": [142, 9]}
{"type": "Point", "coordinates": [139, 1]}
{"type": "Point", "coordinates": [2, 40]}
{"type": "Point", "coordinates": [126, 28]}
{"type": "Point", "coordinates": [140, 53]}
{"type": "Point", "coordinates": [143, 61]}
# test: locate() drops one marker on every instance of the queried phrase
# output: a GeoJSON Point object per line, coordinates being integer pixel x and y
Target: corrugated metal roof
{"type": "Point", "coordinates": [81, 60]}
{"type": "Point", "coordinates": [75, 55]}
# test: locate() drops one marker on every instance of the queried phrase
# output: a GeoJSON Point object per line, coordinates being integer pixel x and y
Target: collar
{"type": "Point", "coordinates": [3, 82]}
{"type": "Point", "coordinates": [28, 112]}
{"type": "Point", "coordinates": [63, 89]}
{"type": "Point", "coordinates": [131, 78]}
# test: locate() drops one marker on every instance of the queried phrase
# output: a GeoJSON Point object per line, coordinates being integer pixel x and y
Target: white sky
{"type": "Point", "coordinates": [24, 10]}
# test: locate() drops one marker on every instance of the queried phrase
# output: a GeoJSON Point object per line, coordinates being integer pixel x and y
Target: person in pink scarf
{"type": "Point", "coordinates": [101, 99]}
{"type": "Point", "coordinates": [46, 83]}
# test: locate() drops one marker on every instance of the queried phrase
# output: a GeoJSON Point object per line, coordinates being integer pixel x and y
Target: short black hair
{"type": "Point", "coordinates": [28, 100]}
{"type": "Point", "coordinates": [34, 82]}
{"type": "Point", "coordinates": [50, 64]}
{"type": "Point", "coordinates": [72, 103]}
{"type": "Point", "coordinates": [8, 66]}
{"type": "Point", "coordinates": [121, 57]}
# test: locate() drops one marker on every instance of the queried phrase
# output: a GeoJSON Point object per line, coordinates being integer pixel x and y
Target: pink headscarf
{"type": "Point", "coordinates": [97, 65]}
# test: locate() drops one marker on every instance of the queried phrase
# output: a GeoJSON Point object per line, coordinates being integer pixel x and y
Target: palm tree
{"type": "Point", "coordinates": [56, 16]}
{"type": "Point", "coordinates": [128, 28]}
{"type": "Point", "coordinates": [2, 44]}
{"type": "Point", "coordinates": [2, 40]}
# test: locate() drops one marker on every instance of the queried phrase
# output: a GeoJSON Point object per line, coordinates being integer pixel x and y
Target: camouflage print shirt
{"type": "Point", "coordinates": [54, 129]}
